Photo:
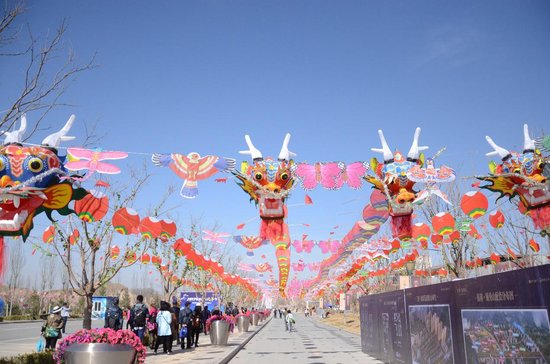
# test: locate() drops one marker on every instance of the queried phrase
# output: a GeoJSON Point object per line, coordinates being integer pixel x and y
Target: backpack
{"type": "Point", "coordinates": [113, 318]}
{"type": "Point", "coordinates": [139, 316]}
{"type": "Point", "coordinates": [196, 323]}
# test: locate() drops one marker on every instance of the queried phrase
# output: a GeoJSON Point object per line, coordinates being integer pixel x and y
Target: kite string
{"type": "Point", "coordinates": [34, 179]}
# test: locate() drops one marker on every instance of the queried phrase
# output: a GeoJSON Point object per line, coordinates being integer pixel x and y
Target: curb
{"type": "Point", "coordinates": [235, 351]}
{"type": "Point", "coordinates": [30, 321]}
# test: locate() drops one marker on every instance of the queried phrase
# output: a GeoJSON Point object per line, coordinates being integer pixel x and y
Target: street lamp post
{"type": "Point", "coordinates": [409, 266]}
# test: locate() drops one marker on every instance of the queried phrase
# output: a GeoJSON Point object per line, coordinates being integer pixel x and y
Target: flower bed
{"type": "Point", "coordinates": [106, 336]}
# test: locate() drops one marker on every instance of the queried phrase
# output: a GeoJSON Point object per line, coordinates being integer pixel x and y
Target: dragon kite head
{"type": "Point", "coordinates": [30, 180]}
{"type": "Point", "coordinates": [267, 181]}
{"type": "Point", "coordinates": [391, 175]}
{"type": "Point", "coordinates": [522, 175]}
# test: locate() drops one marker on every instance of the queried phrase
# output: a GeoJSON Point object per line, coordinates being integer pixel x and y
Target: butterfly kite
{"type": "Point", "coordinates": [193, 168]}
{"type": "Point", "coordinates": [303, 245]}
{"type": "Point", "coordinates": [93, 161]}
{"type": "Point", "coordinates": [330, 175]}
{"type": "Point", "coordinates": [329, 246]}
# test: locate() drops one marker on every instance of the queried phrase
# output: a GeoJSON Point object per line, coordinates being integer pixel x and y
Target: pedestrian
{"type": "Point", "coordinates": [185, 320]}
{"type": "Point", "coordinates": [127, 316]}
{"type": "Point", "coordinates": [196, 325]}
{"type": "Point", "coordinates": [65, 313]}
{"type": "Point", "coordinates": [175, 309]}
{"type": "Point", "coordinates": [164, 330]}
{"type": "Point", "coordinates": [114, 316]}
{"type": "Point", "coordinates": [205, 316]}
{"type": "Point", "coordinates": [235, 310]}
{"type": "Point", "coordinates": [51, 330]}
{"type": "Point", "coordinates": [289, 320]}
{"type": "Point", "coordinates": [152, 326]}
{"type": "Point", "coordinates": [216, 311]}
{"type": "Point", "coordinates": [275, 313]}
{"type": "Point", "coordinates": [138, 317]}
{"type": "Point", "coordinates": [284, 316]}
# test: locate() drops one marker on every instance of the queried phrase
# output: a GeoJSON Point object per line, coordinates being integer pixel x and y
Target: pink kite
{"type": "Point", "coordinates": [215, 237]}
{"type": "Point", "coordinates": [352, 174]}
{"type": "Point", "coordinates": [92, 160]}
{"type": "Point", "coordinates": [303, 245]}
{"type": "Point", "coordinates": [329, 246]}
{"type": "Point", "coordinates": [325, 174]}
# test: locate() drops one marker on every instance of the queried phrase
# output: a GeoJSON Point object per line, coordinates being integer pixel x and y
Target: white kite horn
{"type": "Point", "coordinates": [385, 150]}
{"type": "Point", "coordinates": [252, 150]}
{"type": "Point", "coordinates": [286, 154]}
{"type": "Point", "coordinates": [415, 150]}
{"type": "Point", "coordinates": [16, 136]}
{"type": "Point", "coordinates": [501, 152]}
{"type": "Point", "coordinates": [55, 139]}
{"type": "Point", "coordinates": [528, 143]}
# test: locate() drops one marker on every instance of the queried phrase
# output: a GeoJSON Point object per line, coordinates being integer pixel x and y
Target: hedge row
{"type": "Point", "coordinates": [34, 358]}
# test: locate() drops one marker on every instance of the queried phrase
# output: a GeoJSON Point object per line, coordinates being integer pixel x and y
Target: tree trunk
{"type": "Point", "coordinates": [87, 322]}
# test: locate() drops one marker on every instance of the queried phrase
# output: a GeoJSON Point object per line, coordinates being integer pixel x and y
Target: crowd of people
{"type": "Point", "coordinates": [154, 325]}
{"type": "Point", "coordinates": [167, 323]}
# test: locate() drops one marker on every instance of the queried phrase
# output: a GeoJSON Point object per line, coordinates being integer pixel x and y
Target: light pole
{"type": "Point", "coordinates": [409, 266]}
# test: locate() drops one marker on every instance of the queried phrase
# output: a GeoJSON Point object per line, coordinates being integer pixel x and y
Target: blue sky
{"type": "Point", "coordinates": [198, 75]}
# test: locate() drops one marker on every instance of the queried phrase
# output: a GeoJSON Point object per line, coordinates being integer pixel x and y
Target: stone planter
{"type": "Point", "coordinates": [255, 318]}
{"type": "Point", "coordinates": [219, 332]}
{"type": "Point", "coordinates": [100, 353]}
{"type": "Point", "coordinates": [243, 323]}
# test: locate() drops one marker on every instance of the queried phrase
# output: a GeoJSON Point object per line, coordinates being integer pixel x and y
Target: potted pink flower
{"type": "Point", "coordinates": [219, 327]}
{"type": "Point", "coordinates": [243, 321]}
{"type": "Point", "coordinates": [103, 345]}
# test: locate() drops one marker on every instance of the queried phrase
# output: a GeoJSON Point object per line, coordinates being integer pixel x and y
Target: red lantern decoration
{"type": "Point", "coordinates": [496, 219]}
{"type": "Point", "coordinates": [168, 229]}
{"type": "Point", "coordinates": [145, 258]}
{"type": "Point", "coordinates": [181, 247]}
{"type": "Point", "coordinates": [474, 204]}
{"type": "Point", "coordinates": [455, 237]}
{"type": "Point", "coordinates": [421, 232]}
{"type": "Point", "coordinates": [442, 272]}
{"type": "Point", "coordinates": [495, 258]}
{"type": "Point", "coordinates": [125, 221]}
{"type": "Point", "coordinates": [115, 252]}
{"type": "Point", "coordinates": [73, 238]}
{"type": "Point", "coordinates": [130, 256]}
{"type": "Point", "coordinates": [534, 246]}
{"type": "Point", "coordinates": [443, 223]}
{"type": "Point", "coordinates": [150, 227]}
{"type": "Point", "coordinates": [437, 239]}
{"type": "Point", "coordinates": [48, 235]}
{"type": "Point", "coordinates": [93, 207]}
{"type": "Point", "coordinates": [511, 253]}
{"type": "Point", "coordinates": [156, 260]}
{"type": "Point", "coordinates": [473, 232]}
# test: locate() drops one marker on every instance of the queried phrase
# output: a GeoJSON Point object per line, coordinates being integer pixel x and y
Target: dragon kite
{"type": "Point", "coordinates": [268, 183]}
{"type": "Point", "coordinates": [522, 175]}
{"type": "Point", "coordinates": [31, 183]}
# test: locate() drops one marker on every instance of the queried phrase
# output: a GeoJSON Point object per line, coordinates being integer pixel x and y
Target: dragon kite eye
{"type": "Point", "coordinates": [284, 176]}
{"type": "Point", "coordinates": [258, 176]}
{"type": "Point", "coordinates": [36, 164]}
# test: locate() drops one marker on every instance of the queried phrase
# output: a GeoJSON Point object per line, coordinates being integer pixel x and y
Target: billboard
{"type": "Point", "coordinates": [99, 306]}
{"type": "Point", "coordinates": [498, 318]}
{"type": "Point", "coordinates": [196, 298]}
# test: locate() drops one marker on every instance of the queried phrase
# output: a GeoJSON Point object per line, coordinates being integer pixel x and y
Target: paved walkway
{"type": "Point", "coordinates": [206, 353]}
{"type": "Point", "coordinates": [310, 342]}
